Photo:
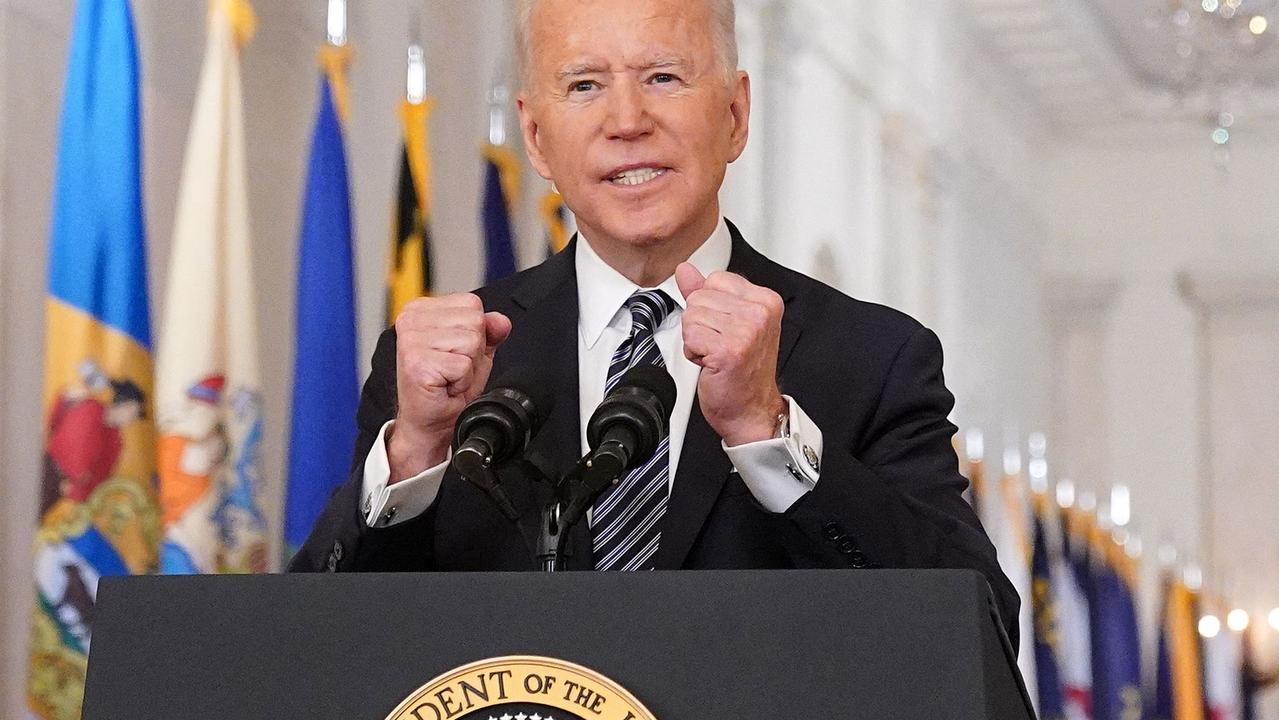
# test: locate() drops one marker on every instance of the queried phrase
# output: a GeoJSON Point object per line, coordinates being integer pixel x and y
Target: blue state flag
{"type": "Point", "coordinates": [1116, 643]}
{"type": "Point", "coordinates": [501, 184]}
{"type": "Point", "coordinates": [1045, 616]}
{"type": "Point", "coordinates": [98, 515]}
{"type": "Point", "coordinates": [325, 381]}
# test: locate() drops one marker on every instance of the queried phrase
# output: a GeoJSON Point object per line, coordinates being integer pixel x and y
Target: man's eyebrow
{"type": "Point", "coordinates": [580, 69]}
{"type": "Point", "coordinates": [589, 68]}
{"type": "Point", "coordinates": [664, 61]}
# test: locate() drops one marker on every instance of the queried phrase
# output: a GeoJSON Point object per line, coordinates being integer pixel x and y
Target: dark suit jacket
{"type": "Point", "coordinates": [868, 376]}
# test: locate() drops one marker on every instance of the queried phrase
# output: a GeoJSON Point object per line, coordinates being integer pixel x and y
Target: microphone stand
{"type": "Point", "coordinates": [574, 494]}
{"type": "Point", "coordinates": [551, 532]}
{"type": "Point", "coordinates": [552, 536]}
{"type": "Point", "coordinates": [550, 540]}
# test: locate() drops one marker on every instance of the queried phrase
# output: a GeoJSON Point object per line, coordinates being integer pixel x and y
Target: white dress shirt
{"type": "Point", "coordinates": [778, 471]}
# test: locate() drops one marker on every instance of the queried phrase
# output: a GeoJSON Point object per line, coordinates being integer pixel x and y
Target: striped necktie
{"type": "Point", "coordinates": [626, 518]}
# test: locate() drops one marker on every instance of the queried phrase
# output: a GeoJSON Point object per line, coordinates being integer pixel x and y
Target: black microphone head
{"type": "Point", "coordinates": [640, 406]}
{"type": "Point", "coordinates": [654, 379]}
{"type": "Point", "coordinates": [506, 416]}
{"type": "Point", "coordinates": [534, 390]}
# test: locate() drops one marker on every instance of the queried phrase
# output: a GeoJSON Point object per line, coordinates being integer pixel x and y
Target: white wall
{"type": "Point", "coordinates": [1141, 214]}
{"type": "Point", "coordinates": [891, 158]}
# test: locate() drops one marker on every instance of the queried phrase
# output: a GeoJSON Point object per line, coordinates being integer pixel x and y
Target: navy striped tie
{"type": "Point", "coordinates": [626, 519]}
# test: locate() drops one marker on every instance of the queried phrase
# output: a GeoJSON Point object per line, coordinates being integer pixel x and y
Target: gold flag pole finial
{"type": "Point", "coordinates": [244, 22]}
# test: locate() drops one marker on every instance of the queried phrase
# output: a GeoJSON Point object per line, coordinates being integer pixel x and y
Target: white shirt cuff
{"type": "Point", "coordinates": [778, 472]}
{"type": "Point", "coordinates": [383, 504]}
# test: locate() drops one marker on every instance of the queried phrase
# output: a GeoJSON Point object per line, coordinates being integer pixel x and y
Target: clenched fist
{"type": "Point", "coordinates": [444, 353]}
{"type": "Point", "coordinates": [732, 329]}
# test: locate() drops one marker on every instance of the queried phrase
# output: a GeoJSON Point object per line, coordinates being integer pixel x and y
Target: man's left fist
{"type": "Point", "coordinates": [731, 329]}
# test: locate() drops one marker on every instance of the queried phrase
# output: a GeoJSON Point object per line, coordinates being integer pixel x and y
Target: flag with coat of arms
{"type": "Point", "coordinates": [98, 514]}
{"type": "Point", "coordinates": [208, 394]}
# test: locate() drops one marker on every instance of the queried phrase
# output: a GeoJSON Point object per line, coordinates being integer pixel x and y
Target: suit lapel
{"type": "Point", "coordinates": [704, 466]}
{"type": "Point", "coordinates": [750, 264]}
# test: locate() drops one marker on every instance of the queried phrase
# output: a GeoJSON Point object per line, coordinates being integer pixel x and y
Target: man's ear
{"type": "Point", "coordinates": [532, 140]}
{"type": "Point", "coordinates": [740, 109]}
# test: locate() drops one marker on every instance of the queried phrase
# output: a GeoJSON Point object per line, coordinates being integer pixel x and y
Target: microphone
{"type": "Point", "coordinates": [495, 429]}
{"type": "Point", "coordinates": [624, 432]}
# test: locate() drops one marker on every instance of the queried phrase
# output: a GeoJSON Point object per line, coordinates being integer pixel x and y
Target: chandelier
{"type": "Point", "coordinates": [1214, 51]}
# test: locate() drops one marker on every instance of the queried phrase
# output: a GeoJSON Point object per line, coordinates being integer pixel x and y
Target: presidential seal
{"type": "Point", "coordinates": [521, 687]}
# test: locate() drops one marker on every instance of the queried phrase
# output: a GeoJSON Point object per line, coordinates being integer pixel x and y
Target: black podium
{"type": "Point", "coordinates": [730, 645]}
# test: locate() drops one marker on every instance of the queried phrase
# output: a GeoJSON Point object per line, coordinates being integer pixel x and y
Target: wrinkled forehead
{"type": "Point", "coordinates": [567, 34]}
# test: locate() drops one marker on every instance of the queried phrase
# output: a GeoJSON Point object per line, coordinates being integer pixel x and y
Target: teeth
{"type": "Point", "coordinates": [638, 177]}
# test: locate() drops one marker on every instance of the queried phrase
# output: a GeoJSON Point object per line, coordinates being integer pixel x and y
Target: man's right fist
{"type": "Point", "coordinates": [444, 353]}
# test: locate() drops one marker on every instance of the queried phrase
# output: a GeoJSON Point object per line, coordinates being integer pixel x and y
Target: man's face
{"type": "Point", "coordinates": [629, 112]}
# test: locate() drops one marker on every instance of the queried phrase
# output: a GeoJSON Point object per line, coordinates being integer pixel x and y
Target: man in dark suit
{"type": "Point", "coordinates": [810, 429]}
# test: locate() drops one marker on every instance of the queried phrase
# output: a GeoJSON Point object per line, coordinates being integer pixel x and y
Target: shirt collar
{"type": "Point", "coordinates": [602, 291]}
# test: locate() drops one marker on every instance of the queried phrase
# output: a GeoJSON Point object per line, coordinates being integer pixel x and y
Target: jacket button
{"type": "Point", "coordinates": [335, 556]}
{"type": "Point", "coordinates": [858, 560]}
{"type": "Point", "coordinates": [833, 531]}
{"type": "Point", "coordinates": [848, 547]}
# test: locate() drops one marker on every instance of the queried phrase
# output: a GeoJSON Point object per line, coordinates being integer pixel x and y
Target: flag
{"type": "Point", "coordinates": [501, 187]}
{"type": "Point", "coordinates": [1179, 670]}
{"type": "Point", "coordinates": [208, 391]}
{"type": "Point", "coordinates": [1250, 682]}
{"type": "Point", "coordinates": [98, 512]}
{"type": "Point", "coordinates": [1161, 699]}
{"type": "Point", "coordinates": [1074, 621]}
{"type": "Point", "coordinates": [325, 382]}
{"type": "Point", "coordinates": [1223, 670]}
{"type": "Point", "coordinates": [1116, 645]}
{"type": "Point", "coordinates": [1005, 515]}
{"type": "Point", "coordinates": [555, 219]}
{"type": "Point", "coordinates": [1045, 618]}
{"type": "Point", "coordinates": [409, 267]}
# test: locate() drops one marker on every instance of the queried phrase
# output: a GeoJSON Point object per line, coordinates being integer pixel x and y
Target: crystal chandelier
{"type": "Point", "coordinates": [1214, 50]}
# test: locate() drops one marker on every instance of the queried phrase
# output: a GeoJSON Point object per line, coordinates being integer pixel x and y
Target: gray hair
{"type": "Point", "coordinates": [723, 16]}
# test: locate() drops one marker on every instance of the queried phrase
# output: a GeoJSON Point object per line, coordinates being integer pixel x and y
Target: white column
{"type": "Point", "coordinates": [772, 140]}
{"type": "Point", "coordinates": [815, 118]}
{"type": "Point", "coordinates": [1078, 313]}
{"type": "Point", "coordinates": [1238, 396]}
{"type": "Point", "coordinates": [744, 198]}
{"type": "Point", "coordinates": [910, 219]}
